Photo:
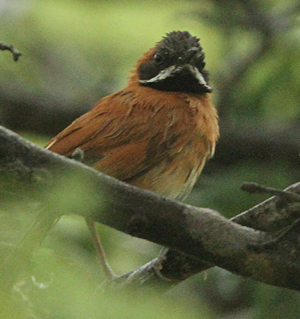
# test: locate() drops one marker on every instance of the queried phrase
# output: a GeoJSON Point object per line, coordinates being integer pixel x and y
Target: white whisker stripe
{"type": "Point", "coordinates": [171, 70]}
{"type": "Point", "coordinates": [165, 73]}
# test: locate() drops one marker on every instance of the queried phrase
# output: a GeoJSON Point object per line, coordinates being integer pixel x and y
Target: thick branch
{"type": "Point", "coordinates": [200, 233]}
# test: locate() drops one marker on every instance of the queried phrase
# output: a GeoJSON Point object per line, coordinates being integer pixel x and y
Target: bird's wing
{"type": "Point", "coordinates": [123, 136]}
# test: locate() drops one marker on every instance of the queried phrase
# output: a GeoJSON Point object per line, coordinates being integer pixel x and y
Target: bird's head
{"type": "Point", "coordinates": [175, 64]}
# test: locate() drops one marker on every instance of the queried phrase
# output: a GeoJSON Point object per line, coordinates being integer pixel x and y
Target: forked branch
{"type": "Point", "coordinates": [198, 238]}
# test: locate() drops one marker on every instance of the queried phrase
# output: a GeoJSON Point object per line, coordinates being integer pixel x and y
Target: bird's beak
{"type": "Point", "coordinates": [187, 56]}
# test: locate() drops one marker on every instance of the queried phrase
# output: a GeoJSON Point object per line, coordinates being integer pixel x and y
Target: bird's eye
{"type": "Point", "coordinates": [158, 58]}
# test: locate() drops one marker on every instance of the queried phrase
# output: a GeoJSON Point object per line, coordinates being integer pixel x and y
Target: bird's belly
{"type": "Point", "coordinates": [173, 177]}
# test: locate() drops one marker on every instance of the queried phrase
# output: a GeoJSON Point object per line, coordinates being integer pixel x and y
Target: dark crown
{"type": "Point", "coordinates": [179, 40]}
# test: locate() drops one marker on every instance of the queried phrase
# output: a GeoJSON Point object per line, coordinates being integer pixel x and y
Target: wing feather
{"type": "Point", "coordinates": [125, 137]}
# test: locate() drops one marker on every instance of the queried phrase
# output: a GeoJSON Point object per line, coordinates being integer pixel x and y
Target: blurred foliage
{"type": "Point", "coordinates": [74, 52]}
{"type": "Point", "coordinates": [61, 278]}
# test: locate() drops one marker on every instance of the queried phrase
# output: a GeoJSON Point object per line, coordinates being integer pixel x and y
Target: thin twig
{"type": "Point", "coordinates": [256, 188]}
{"type": "Point", "coordinates": [16, 54]}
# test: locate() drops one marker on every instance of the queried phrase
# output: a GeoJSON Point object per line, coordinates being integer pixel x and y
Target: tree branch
{"type": "Point", "coordinates": [197, 237]}
{"type": "Point", "coordinates": [16, 54]}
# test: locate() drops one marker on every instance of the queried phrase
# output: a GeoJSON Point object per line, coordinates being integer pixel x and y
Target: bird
{"type": "Point", "coordinates": [158, 132]}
